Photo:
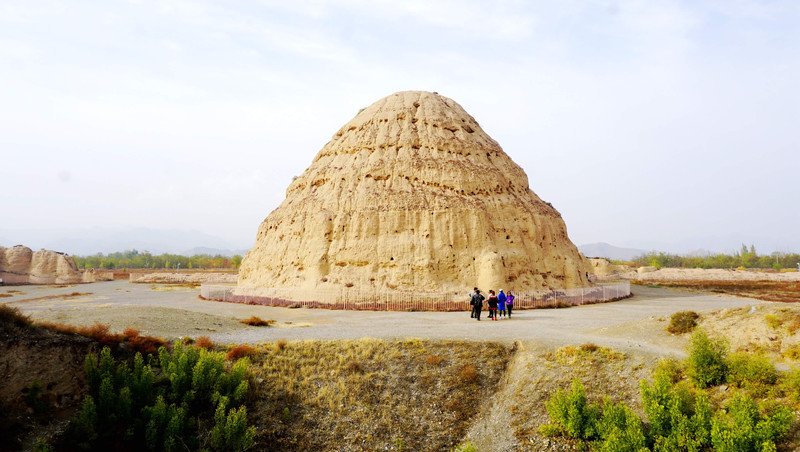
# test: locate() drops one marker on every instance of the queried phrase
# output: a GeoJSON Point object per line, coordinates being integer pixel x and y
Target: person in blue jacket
{"type": "Point", "coordinates": [501, 304]}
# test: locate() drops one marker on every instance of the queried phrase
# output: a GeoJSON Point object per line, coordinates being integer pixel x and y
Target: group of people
{"type": "Point", "coordinates": [498, 304]}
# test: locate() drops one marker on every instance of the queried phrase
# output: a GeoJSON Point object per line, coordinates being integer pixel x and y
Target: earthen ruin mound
{"type": "Point", "coordinates": [20, 265]}
{"type": "Point", "coordinates": [413, 195]}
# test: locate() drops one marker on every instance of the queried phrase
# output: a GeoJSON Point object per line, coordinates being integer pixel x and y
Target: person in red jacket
{"type": "Point", "coordinates": [492, 302]}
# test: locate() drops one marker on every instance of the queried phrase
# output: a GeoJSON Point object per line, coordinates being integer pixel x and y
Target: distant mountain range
{"type": "Point", "coordinates": [602, 249]}
{"type": "Point", "coordinates": [212, 252]}
{"type": "Point", "coordinates": [90, 241]}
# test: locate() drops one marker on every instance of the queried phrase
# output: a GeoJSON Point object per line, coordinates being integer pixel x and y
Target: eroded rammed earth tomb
{"type": "Point", "coordinates": [413, 195]}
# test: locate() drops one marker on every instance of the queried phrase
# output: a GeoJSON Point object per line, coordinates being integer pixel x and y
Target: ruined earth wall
{"type": "Point", "coordinates": [20, 265]}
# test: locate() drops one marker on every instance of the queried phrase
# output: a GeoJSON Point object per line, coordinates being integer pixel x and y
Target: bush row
{"type": "Point", "coordinates": [184, 400]}
{"type": "Point", "coordinates": [679, 416]}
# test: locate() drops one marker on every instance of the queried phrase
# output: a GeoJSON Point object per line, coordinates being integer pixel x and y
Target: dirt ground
{"type": "Point", "coordinates": [177, 311]}
{"type": "Point", "coordinates": [511, 413]}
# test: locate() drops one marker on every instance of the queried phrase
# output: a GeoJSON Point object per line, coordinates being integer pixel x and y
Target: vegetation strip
{"type": "Point", "coordinates": [53, 297]}
{"type": "Point", "coordinates": [682, 409]}
{"type": "Point", "coordinates": [782, 291]}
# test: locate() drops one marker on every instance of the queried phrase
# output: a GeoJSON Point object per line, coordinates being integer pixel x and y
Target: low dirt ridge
{"type": "Point", "coordinates": [517, 408]}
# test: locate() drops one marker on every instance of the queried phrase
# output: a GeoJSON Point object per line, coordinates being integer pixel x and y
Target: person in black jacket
{"type": "Point", "coordinates": [476, 301]}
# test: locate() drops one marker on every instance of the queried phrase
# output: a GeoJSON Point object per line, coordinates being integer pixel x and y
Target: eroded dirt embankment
{"type": "Point", "coordinates": [42, 381]}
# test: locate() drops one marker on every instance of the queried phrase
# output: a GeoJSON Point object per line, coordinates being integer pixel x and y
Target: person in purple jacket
{"type": "Point", "coordinates": [501, 304]}
{"type": "Point", "coordinates": [509, 303]}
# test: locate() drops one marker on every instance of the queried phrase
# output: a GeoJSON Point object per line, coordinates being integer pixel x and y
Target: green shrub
{"type": "Point", "coordinates": [772, 321]}
{"type": "Point", "coordinates": [131, 407]}
{"type": "Point", "coordinates": [792, 352]}
{"type": "Point", "coordinates": [706, 364]}
{"type": "Point", "coordinates": [669, 367]}
{"type": "Point", "coordinates": [614, 428]}
{"type": "Point", "coordinates": [682, 322]}
{"type": "Point", "coordinates": [752, 372]}
{"type": "Point", "coordinates": [551, 430]}
{"type": "Point", "coordinates": [791, 384]}
{"type": "Point", "coordinates": [571, 412]}
{"type": "Point", "coordinates": [33, 398]}
{"type": "Point", "coordinates": [42, 445]}
{"type": "Point", "coordinates": [466, 447]}
{"type": "Point", "coordinates": [679, 415]}
{"type": "Point", "coordinates": [743, 428]}
{"type": "Point", "coordinates": [230, 432]}
{"type": "Point", "coordinates": [679, 419]}
{"type": "Point", "coordinates": [620, 430]}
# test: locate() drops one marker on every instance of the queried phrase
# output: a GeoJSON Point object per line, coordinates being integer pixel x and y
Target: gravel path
{"type": "Point", "coordinates": [177, 311]}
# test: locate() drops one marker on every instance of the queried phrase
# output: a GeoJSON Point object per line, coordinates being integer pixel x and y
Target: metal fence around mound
{"type": "Point", "coordinates": [361, 300]}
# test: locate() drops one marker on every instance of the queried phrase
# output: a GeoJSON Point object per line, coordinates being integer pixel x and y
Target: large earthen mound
{"type": "Point", "coordinates": [21, 265]}
{"type": "Point", "coordinates": [413, 195]}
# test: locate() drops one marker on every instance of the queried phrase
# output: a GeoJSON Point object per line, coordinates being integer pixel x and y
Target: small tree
{"type": "Point", "coordinates": [706, 364]}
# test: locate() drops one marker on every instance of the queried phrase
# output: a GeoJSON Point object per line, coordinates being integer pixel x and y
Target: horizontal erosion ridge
{"type": "Point", "coordinates": [417, 182]}
{"type": "Point", "coordinates": [400, 118]}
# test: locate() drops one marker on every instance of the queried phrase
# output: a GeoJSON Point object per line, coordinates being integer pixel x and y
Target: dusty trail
{"type": "Point", "coordinates": [491, 429]}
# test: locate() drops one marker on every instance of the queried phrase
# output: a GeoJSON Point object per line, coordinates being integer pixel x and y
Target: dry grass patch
{"type": "Point", "coordinates": [101, 333]}
{"type": "Point", "coordinates": [371, 394]}
{"type": "Point", "coordinates": [434, 360]}
{"type": "Point", "coordinates": [146, 345]}
{"type": "Point", "coordinates": [683, 322]}
{"type": "Point", "coordinates": [586, 354]}
{"type": "Point", "coordinates": [54, 297]}
{"type": "Point", "coordinates": [238, 352]}
{"type": "Point", "coordinates": [204, 342]}
{"type": "Point", "coordinates": [13, 317]}
{"type": "Point", "coordinates": [257, 321]}
{"type": "Point", "coordinates": [130, 332]}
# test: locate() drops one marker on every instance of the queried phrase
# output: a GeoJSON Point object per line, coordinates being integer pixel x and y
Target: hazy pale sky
{"type": "Point", "coordinates": [669, 124]}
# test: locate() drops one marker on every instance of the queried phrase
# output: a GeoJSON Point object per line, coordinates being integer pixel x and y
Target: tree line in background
{"type": "Point", "coordinates": [747, 257]}
{"type": "Point", "coordinates": [136, 259]}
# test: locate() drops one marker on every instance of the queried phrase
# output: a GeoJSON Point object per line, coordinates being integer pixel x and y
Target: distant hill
{"type": "Point", "coordinates": [90, 241]}
{"type": "Point", "coordinates": [212, 252]}
{"type": "Point", "coordinates": [612, 252]}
